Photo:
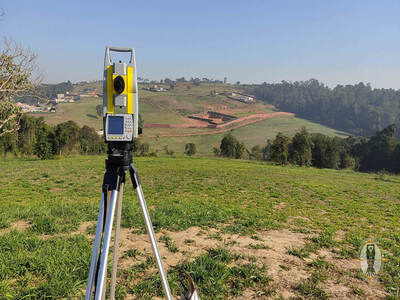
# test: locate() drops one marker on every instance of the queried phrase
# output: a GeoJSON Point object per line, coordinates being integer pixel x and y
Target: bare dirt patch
{"type": "Point", "coordinates": [83, 228]}
{"type": "Point", "coordinates": [280, 206]}
{"type": "Point", "coordinates": [293, 218]}
{"type": "Point", "coordinates": [270, 248]}
{"type": "Point", "coordinates": [345, 286]}
{"type": "Point", "coordinates": [340, 235]}
{"type": "Point", "coordinates": [20, 225]}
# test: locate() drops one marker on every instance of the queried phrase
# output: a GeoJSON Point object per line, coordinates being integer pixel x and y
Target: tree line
{"type": "Point", "coordinates": [35, 137]}
{"type": "Point", "coordinates": [357, 109]}
{"type": "Point", "coordinates": [380, 152]}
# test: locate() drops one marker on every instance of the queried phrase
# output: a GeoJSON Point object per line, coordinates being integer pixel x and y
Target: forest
{"type": "Point", "coordinates": [379, 153]}
{"type": "Point", "coordinates": [358, 109]}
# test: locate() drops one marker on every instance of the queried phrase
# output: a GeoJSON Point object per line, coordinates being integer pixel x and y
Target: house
{"type": "Point", "coordinates": [92, 94]}
{"type": "Point", "coordinates": [241, 97]}
{"type": "Point", "coordinates": [58, 100]}
{"type": "Point", "coordinates": [71, 97]}
{"type": "Point", "coordinates": [156, 88]}
{"type": "Point", "coordinates": [29, 108]}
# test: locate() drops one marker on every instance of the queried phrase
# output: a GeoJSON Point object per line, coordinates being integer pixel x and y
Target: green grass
{"type": "Point", "coordinates": [56, 267]}
{"type": "Point", "coordinates": [233, 196]}
{"type": "Point", "coordinates": [214, 276]}
{"type": "Point", "coordinates": [325, 239]}
{"type": "Point", "coordinates": [172, 247]}
{"type": "Point", "coordinates": [310, 288]}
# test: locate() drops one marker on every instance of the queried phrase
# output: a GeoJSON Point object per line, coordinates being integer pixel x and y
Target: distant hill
{"type": "Point", "coordinates": [358, 109]}
{"type": "Point", "coordinates": [174, 106]}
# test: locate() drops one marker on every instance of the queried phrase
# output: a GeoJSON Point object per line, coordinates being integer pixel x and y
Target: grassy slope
{"type": "Point", "coordinates": [174, 106]}
{"type": "Point", "coordinates": [253, 134]}
{"type": "Point", "coordinates": [56, 196]}
{"type": "Point", "coordinates": [83, 112]}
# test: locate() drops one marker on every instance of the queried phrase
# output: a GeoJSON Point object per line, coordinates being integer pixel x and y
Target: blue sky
{"type": "Point", "coordinates": [336, 42]}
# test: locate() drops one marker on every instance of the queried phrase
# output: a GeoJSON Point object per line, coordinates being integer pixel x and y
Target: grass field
{"type": "Point", "coordinates": [83, 112]}
{"type": "Point", "coordinates": [242, 229]}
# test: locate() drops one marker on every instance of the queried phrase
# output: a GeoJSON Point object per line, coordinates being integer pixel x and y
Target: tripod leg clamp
{"type": "Point", "coordinates": [113, 179]}
{"type": "Point", "coordinates": [134, 176]}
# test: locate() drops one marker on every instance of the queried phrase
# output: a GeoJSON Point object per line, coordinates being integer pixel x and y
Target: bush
{"type": "Point", "coordinates": [144, 148]}
{"type": "Point", "coordinates": [190, 149]}
{"type": "Point", "coordinates": [43, 149]}
{"type": "Point", "coordinates": [167, 151]}
{"type": "Point", "coordinates": [348, 162]}
{"type": "Point", "coordinates": [216, 151]}
{"type": "Point", "coordinates": [231, 147]}
{"type": "Point", "coordinates": [137, 143]}
{"type": "Point", "coordinates": [256, 153]}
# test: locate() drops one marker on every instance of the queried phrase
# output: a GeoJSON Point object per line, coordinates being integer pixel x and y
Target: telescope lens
{"type": "Point", "coordinates": [119, 84]}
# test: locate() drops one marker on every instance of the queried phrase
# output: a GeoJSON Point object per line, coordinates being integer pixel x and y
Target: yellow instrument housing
{"type": "Point", "coordinates": [128, 90]}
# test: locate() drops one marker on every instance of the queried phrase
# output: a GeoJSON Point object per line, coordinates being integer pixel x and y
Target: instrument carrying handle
{"type": "Point", "coordinates": [118, 49]}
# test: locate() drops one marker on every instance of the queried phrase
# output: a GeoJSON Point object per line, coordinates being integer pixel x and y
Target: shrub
{"type": "Point", "coordinates": [190, 149]}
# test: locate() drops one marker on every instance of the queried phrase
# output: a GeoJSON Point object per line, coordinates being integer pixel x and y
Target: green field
{"type": "Point", "coordinates": [83, 112]}
{"type": "Point", "coordinates": [242, 229]}
{"type": "Point", "coordinates": [174, 106]}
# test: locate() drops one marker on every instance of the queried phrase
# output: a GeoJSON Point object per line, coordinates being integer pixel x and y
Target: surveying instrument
{"type": "Point", "coordinates": [121, 127]}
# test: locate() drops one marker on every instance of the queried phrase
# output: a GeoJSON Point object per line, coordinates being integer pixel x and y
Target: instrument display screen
{"type": "Point", "coordinates": [115, 125]}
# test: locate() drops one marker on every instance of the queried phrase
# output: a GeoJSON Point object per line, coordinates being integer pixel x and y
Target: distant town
{"type": "Point", "coordinates": [50, 106]}
{"type": "Point", "coordinates": [62, 93]}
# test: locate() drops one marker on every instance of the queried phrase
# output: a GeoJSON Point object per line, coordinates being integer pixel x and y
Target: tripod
{"type": "Point", "coordinates": [118, 162]}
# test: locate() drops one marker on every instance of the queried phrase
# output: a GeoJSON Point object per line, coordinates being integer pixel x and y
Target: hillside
{"type": "Point", "coordinates": [172, 108]}
{"type": "Point", "coordinates": [240, 228]}
{"type": "Point", "coordinates": [358, 109]}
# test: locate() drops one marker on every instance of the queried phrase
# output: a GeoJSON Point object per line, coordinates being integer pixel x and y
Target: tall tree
{"type": "Point", "coordinates": [279, 149]}
{"type": "Point", "coordinates": [43, 145]}
{"type": "Point", "coordinates": [300, 149]}
{"type": "Point", "coordinates": [325, 152]}
{"type": "Point", "coordinates": [227, 147]}
{"type": "Point", "coordinates": [67, 136]}
{"type": "Point", "coordinates": [378, 152]}
{"type": "Point", "coordinates": [16, 68]}
{"type": "Point", "coordinates": [27, 135]}
{"type": "Point", "coordinates": [90, 142]}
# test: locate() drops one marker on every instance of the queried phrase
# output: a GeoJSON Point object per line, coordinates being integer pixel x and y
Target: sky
{"type": "Point", "coordinates": [336, 42]}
